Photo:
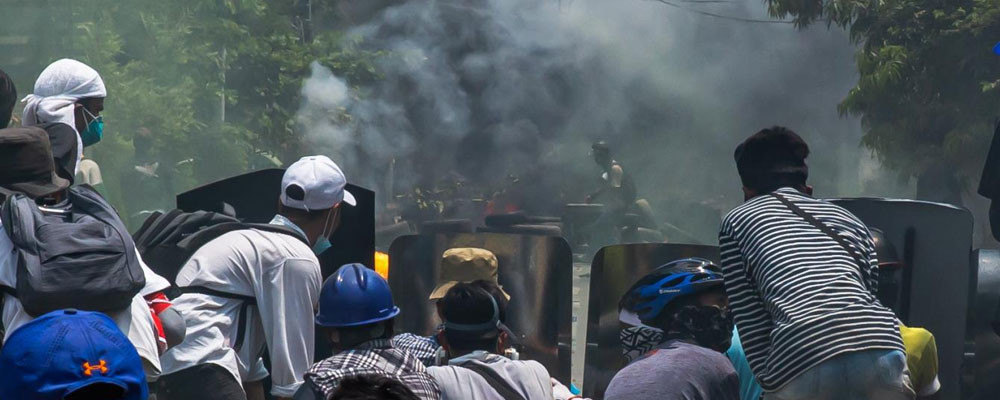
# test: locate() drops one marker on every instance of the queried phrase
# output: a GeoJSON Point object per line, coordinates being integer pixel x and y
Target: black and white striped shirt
{"type": "Point", "coordinates": [798, 297]}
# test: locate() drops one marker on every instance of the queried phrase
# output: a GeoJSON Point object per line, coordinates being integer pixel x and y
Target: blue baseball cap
{"type": "Point", "coordinates": [65, 351]}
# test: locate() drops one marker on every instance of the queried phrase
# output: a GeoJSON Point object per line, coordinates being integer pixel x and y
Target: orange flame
{"type": "Point", "coordinates": [382, 264]}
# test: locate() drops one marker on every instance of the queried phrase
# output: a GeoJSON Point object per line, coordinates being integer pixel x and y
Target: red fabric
{"type": "Point", "coordinates": [157, 303]}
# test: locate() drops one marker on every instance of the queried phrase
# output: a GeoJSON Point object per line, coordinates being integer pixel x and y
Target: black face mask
{"type": "Point", "coordinates": [708, 326]}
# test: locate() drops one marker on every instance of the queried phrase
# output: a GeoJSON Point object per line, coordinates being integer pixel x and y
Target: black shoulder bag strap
{"type": "Point", "coordinates": [241, 325]}
{"type": "Point", "coordinates": [495, 380]}
{"type": "Point", "coordinates": [819, 225]}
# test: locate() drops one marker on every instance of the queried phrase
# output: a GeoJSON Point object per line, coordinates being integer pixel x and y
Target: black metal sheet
{"type": "Point", "coordinates": [613, 271]}
{"type": "Point", "coordinates": [535, 270]}
{"type": "Point", "coordinates": [254, 195]}
{"type": "Point", "coordinates": [936, 243]}
{"type": "Point", "coordinates": [986, 372]}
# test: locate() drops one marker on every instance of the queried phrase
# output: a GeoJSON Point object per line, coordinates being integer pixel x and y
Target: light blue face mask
{"type": "Point", "coordinates": [323, 242]}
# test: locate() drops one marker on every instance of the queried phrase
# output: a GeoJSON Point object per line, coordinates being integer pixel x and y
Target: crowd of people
{"type": "Point", "coordinates": [791, 313]}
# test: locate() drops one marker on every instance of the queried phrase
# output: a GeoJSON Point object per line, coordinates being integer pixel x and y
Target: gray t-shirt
{"type": "Point", "coordinates": [677, 371]}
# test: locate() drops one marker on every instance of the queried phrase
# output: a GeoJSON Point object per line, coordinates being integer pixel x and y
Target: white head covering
{"type": "Point", "coordinates": [58, 87]}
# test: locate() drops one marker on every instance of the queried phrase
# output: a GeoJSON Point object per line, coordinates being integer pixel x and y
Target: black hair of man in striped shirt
{"type": "Point", "coordinates": [803, 295]}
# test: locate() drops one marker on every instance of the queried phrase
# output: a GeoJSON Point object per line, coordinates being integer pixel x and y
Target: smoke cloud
{"type": "Point", "coordinates": [479, 90]}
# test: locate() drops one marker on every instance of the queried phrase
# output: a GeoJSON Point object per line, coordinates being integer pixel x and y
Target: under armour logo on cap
{"type": "Point", "coordinates": [89, 369]}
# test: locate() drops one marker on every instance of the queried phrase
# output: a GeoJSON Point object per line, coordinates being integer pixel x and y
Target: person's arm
{"type": "Point", "coordinates": [308, 391]}
{"type": "Point", "coordinates": [287, 296]}
{"type": "Point", "coordinates": [94, 179]}
{"type": "Point", "coordinates": [254, 390]}
{"type": "Point", "coordinates": [929, 361]}
{"type": "Point", "coordinates": [616, 176]}
{"type": "Point", "coordinates": [745, 302]}
{"type": "Point", "coordinates": [170, 325]}
{"type": "Point", "coordinates": [593, 196]}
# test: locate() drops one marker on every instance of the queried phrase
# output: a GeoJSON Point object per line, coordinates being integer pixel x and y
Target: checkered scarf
{"type": "Point", "coordinates": [424, 348]}
{"type": "Point", "coordinates": [376, 357]}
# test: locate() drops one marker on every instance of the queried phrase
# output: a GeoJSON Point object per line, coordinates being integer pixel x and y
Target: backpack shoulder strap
{"type": "Point", "coordinates": [146, 224]}
{"type": "Point", "coordinates": [18, 216]}
{"type": "Point", "coordinates": [495, 381]}
{"type": "Point", "coordinates": [153, 226]}
{"type": "Point", "coordinates": [821, 226]}
{"type": "Point", "coordinates": [86, 199]}
{"type": "Point", "coordinates": [280, 229]}
{"type": "Point", "coordinates": [241, 319]}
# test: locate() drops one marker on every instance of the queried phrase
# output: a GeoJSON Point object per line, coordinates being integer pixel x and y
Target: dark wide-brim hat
{"type": "Point", "coordinates": [26, 163]}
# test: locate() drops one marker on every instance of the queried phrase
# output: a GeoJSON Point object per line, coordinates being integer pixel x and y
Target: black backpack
{"type": "Point", "coordinates": [83, 258]}
{"type": "Point", "coordinates": [167, 241]}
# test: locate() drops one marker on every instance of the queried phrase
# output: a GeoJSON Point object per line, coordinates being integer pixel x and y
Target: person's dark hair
{"type": "Point", "coordinates": [354, 335]}
{"type": "Point", "coordinates": [600, 147]}
{"type": "Point", "coordinates": [8, 98]}
{"type": "Point", "coordinates": [771, 159]}
{"type": "Point", "coordinates": [493, 289]}
{"type": "Point", "coordinates": [296, 192]}
{"type": "Point", "coordinates": [97, 391]}
{"type": "Point", "coordinates": [467, 303]}
{"type": "Point", "coordinates": [372, 387]}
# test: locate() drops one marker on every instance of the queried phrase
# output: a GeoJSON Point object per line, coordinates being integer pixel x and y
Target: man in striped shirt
{"type": "Point", "coordinates": [802, 284]}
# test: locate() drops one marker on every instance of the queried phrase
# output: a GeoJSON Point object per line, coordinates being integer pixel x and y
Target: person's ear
{"type": "Point", "coordinates": [333, 334]}
{"type": "Point", "coordinates": [79, 119]}
{"type": "Point", "coordinates": [335, 218]}
{"type": "Point", "coordinates": [443, 341]}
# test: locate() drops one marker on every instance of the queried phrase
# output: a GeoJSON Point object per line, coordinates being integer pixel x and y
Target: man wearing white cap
{"type": "Point", "coordinates": [276, 276]}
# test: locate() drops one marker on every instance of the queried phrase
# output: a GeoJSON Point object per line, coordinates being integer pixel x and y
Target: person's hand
{"type": "Point", "coordinates": [588, 199]}
{"type": "Point", "coordinates": [561, 392]}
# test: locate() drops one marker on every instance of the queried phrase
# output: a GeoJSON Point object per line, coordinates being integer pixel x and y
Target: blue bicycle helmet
{"type": "Point", "coordinates": [354, 295]}
{"type": "Point", "coordinates": [651, 294]}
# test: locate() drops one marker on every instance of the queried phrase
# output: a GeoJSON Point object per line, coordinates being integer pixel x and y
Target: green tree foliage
{"type": "Point", "coordinates": [928, 91]}
{"type": "Point", "coordinates": [205, 88]}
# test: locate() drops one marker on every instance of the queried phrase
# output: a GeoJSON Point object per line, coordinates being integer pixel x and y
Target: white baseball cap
{"type": "Point", "coordinates": [322, 183]}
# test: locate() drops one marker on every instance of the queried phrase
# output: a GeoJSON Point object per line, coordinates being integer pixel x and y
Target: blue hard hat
{"type": "Point", "coordinates": [354, 295]}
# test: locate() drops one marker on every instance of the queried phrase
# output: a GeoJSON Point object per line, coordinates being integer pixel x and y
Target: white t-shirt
{"type": "Point", "coordinates": [89, 173]}
{"type": "Point", "coordinates": [284, 276]}
{"type": "Point", "coordinates": [529, 378]}
{"type": "Point", "coordinates": [136, 322]}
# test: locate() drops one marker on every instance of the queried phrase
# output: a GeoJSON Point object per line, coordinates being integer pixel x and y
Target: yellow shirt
{"type": "Point", "coordinates": [921, 359]}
